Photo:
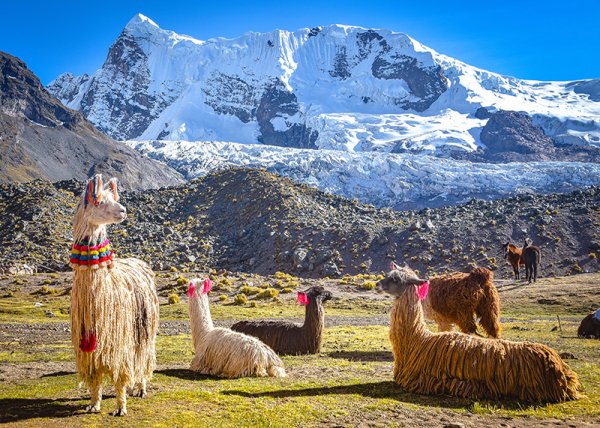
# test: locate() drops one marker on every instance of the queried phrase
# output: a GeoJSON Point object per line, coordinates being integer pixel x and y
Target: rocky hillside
{"type": "Point", "coordinates": [41, 138]}
{"type": "Point", "coordinates": [255, 221]}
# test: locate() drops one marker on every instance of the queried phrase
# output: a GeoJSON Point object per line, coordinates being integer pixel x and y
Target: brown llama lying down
{"type": "Point", "coordinates": [590, 326]}
{"type": "Point", "coordinates": [464, 365]}
{"type": "Point", "coordinates": [287, 338]}
{"type": "Point", "coordinates": [455, 298]}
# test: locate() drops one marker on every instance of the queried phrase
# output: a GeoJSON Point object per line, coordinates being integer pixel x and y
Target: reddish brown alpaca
{"type": "Point", "coordinates": [513, 255]}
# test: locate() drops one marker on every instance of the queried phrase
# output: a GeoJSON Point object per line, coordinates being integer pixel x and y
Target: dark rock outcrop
{"type": "Point", "coordinates": [510, 135]}
{"type": "Point", "coordinates": [279, 103]}
{"type": "Point", "coordinates": [589, 87]}
{"type": "Point", "coordinates": [134, 108]}
{"type": "Point", "coordinates": [41, 138]}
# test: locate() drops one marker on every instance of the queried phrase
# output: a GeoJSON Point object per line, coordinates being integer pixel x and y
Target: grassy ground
{"type": "Point", "coordinates": [348, 384]}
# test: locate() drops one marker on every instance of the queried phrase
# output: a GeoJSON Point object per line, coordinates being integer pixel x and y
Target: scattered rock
{"type": "Point", "coordinates": [567, 356]}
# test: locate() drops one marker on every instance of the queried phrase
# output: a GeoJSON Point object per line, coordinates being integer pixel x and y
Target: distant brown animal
{"type": "Point", "coordinates": [590, 326]}
{"type": "Point", "coordinates": [468, 366]}
{"type": "Point", "coordinates": [531, 255]}
{"type": "Point", "coordinates": [455, 299]}
{"type": "Point", "coordinates": [287, 338]}
{"type": "Point", "coordinates": [513, 254]}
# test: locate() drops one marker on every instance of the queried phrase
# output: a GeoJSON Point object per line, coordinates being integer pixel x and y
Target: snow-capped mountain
{"type": "Point", "coordinates": [335, 87]}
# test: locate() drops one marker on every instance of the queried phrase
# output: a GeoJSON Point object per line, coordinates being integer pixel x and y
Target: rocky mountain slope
{"type": "Point", "coordinates": [255, 221]}
{"type": "Point", "coordinates": [41, 138]}
{"type": "Point", "coordinates": [336, 87]}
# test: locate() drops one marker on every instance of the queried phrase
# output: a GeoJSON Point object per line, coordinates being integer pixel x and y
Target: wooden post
{"type": "Point", "coordinates": [559, 325]}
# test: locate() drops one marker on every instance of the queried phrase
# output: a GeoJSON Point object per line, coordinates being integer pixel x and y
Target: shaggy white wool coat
{"type": "Point", "coordinates": [225, 353]}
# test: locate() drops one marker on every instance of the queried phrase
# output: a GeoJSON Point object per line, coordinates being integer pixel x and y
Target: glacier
{"type": "Point", "coordinates": [399, 181]}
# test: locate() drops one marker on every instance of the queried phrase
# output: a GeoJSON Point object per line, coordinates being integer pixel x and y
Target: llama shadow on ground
{"type": "Point", "coordinates": [386, 389]}
{"type": "Point", "coordinates": [59, 373]}
{"type": "Point", "coordinates": [368, 356]}
{"type": "Point", "coordinates": [510, 287]}
{"type": "Point", "coordinates": [185, 374]}
{"type": "Point", "coordinates": [19, 409]}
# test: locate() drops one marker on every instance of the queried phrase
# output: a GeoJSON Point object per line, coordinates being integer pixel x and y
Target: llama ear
{"type": "Point", "coordinates": [302, 298]}
{"type": "Point", "coordinates": [206, 286]}
{"type": "Point", "coordinates": [191, 289]}
{"type": "Point", "coordinates": [422, 290]}
{"type": "Point", "coordinates": [393, 266]}
{"type": "Point", "coordinates": [112, 184]}
{"type": "Point", "coordinates": [93, 191]}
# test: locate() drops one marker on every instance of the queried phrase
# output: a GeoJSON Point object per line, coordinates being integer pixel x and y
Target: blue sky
{"type": "Point", "coordinates": [530, 39]}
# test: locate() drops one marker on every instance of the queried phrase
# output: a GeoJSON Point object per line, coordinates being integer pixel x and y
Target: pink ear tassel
{"type": "Point", "coordinates": [302, 298]}
{"type": "Point", "coordinates": [191, 289]}
{"type": "Point", "coordinates": [207, 286]}
{"type": "Point", "coordinates": [422, 290]}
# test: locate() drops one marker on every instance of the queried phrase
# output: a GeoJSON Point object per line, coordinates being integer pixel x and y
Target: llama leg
{"type": "Point", "coordinates": [96, 395]}
{"type": "Point", "coordinates": [467, 325]}
{"type": "Point", "coordinates": [535, 266]}
{"type": "Point", "coordinates": [121, 393]}
{"type": "Point", "coordinates": [140, 389]}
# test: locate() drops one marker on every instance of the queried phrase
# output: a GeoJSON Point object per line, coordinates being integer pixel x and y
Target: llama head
{"type": "Point", "coordinates": [99, 205]}
{"type": "Point", "coordinates": [314, 294]}
{"type": "Point", "coordinates": [199, 287]}
{"type": "Point", "coordinates": [401, 279]}
{"type": "Point", "coordinates": [505, 249]}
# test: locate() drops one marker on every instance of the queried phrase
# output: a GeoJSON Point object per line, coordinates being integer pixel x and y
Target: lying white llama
{"type": "Point", "coordinates": [221, 351]}
{"type": "Point", "coordinates": [114, 306]}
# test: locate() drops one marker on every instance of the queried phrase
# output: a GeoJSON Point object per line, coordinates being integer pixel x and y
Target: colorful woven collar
{"type": "Point", "coordinates": [85, 253]}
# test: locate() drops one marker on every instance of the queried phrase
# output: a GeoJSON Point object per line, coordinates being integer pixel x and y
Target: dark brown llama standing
{"type": "Point", "coordinates": [531, 255]}
{"type": "Point", "coordinates": [287, 338]}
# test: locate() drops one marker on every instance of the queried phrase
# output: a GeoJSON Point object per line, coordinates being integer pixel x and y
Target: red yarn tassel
{"type": "Point", "coordinates": [88, 342]}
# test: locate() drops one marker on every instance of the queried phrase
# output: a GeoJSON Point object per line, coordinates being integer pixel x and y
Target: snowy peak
{"type": "Point", "coordinates": [337, 87]}
{"type": "Point", "coordinates": [140, 21]}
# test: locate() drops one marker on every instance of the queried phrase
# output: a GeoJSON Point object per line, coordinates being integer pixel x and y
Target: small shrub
{"type": "Point", "coordinates": [249, 291]}
{"type": "Point", "coordinates": [173, 269]}
{"type": "Point", "coordinates": [268, 293]}
{"type": "Point", "coordinates": [240, 299]}
{"type": "Point", "coordinates": [368, 285]}
{"type": "Point", "coordinates": [182, 280]}
{"type": "Point", "coordinates": [45, 290]}
{"type": "Point", "coordinates": [593, 256]}
{"type": "Point", "coordinates": [223, 297]}
{"type": "Point", "coordinates": [253, 304]}
{"type": "Point", "coordinates": [286, 290]}
{"type": "Point", "coordinates": [173, 299]}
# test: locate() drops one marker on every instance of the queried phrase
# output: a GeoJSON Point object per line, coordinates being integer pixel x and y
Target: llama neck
{"type": "Point", "coordinates": [200, 319]}
{"type": "Point", "coordinates": [406, 318]}
{"type": "Point", "coordinates": [314, 316]}
{"type": "Point", "coordinates": [93, 251]}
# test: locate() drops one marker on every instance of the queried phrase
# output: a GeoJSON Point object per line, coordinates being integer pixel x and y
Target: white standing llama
{"type": "Point", "coordinates": [114, 306]}
{"type": "Point", "coordinates": [221, 351]}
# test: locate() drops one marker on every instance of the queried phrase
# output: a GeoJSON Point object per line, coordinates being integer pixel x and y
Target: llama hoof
{"type": "Point", "coordinates": [120, 412]}
{"type": "Point", "coordinates": [141, 393]}
{"type": "Point", "coordinates": [93, 408]}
